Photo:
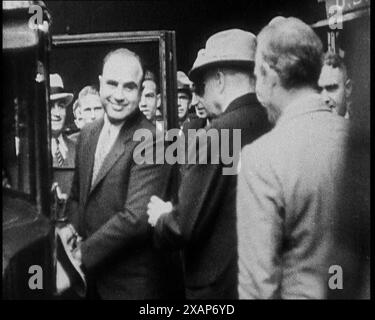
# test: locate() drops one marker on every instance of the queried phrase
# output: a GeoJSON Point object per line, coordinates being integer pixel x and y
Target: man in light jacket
{"type": "Point", "coordinates": [287, 185]}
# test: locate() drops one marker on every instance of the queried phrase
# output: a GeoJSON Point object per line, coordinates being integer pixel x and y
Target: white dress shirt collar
{"type": "Point", "coordinates": [62, 146]}
{"type": "Point", "coordinates": [114, 128]}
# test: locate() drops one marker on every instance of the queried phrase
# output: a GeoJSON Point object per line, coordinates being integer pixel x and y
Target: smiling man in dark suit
{"type": "Point", "coordinates": [110, 191]}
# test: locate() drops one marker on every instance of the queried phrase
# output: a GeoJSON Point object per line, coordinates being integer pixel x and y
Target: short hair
{"type": "Point", "coordinates": [335, 61]}
{"type": "Point", "coordinates": [150, 76]}
{"type": "Point", "coordinates": [293, 50]}
{"type": "Point", "coordinates": [227, 68]}
{"type": "Point", "coordinates": [85, 91]}
{"type": "Point", "coordinates": [125, 53]}
{"type": "Point", "coordinates": [76, 105]}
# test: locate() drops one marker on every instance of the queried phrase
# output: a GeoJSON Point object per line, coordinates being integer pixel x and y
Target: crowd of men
{"type": "Point", "coordinates": [263, 233]}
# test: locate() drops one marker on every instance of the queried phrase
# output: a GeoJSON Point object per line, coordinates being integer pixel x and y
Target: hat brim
{"type": "Point", "coordinates": [66, 97]}
{"type": "Point", "coordinates": [196, 73]}
{"type": "Point", "coordinates": [185, 90]}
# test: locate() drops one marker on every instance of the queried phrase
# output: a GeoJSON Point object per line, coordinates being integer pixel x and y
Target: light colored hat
{"type": "Point", "coordinates": [229, 47]}
{"type": "Point", "coordinates": [183, 82]}
{"type": "Point", "coordinates": [57, 89]}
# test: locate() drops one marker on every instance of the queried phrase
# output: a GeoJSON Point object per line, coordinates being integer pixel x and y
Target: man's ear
{"type": "Point", "coordinates": [271, 74]}
{"type": "Point", "coordinates": [220, 80]}
{"type": "Point", "coordinates": [348, 88]}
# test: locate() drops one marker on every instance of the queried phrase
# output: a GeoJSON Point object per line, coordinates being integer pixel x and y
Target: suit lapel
{"type": "Point", "coordinates": [118, 148]}
{"type": "Point", "coordinates": [69, 162]}
{"type": "Point", "coordinates": [87, 165]}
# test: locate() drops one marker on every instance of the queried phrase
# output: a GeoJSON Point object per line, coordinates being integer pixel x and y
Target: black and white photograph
{"type": "Point", "coordinates": [188, 153]}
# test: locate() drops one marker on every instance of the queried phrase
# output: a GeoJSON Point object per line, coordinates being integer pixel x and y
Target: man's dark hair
{"type": "Point", "coordinates": [293, 50]}
{"type": "Point", "coordinates": [87, 90]}
{"type": "Point", "coordinates": [150, 76]}
{"type": "Point", "coordinates": [335, 61]}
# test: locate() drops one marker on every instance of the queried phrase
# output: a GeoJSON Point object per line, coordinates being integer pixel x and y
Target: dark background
{"type": "Point", "coordinates": [81, 65]}
{"type": "Point", "coordinates": [193, 21]}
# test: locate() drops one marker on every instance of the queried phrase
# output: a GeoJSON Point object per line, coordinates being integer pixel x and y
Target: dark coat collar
{"type": "Point", "coordinates": [125, 136]}
{"type": "Point", "coordinates": [248, 99]}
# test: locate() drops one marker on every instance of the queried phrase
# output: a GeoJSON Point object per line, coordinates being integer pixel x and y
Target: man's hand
{"type": "Point", "coordinates": [62, 279]}
{"type": "Point", "coordinates": [77, 254]}
{"type": "Point", "coordinates": [157, 207]}
{"type": "Point", "coordinates": [69, 236]}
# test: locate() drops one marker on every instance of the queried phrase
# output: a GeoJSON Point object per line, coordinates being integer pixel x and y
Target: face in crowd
{"type": "Point", "coordinates": [335, 88]}
{"type": "Point", "coordinates": [198, 104]}
{"type": "Point", "coordinates": [91, 108]}
{"type": "Point", "coordinates": [207, 90]}
{"type": "Point", "coordinates": [58, 116]}
{"type": "Point", "coordinates": [183, 103]}
{"type": "Point", "coordinates": [120, 85]}
{"type": "Point", "coordinates": [149, 100]}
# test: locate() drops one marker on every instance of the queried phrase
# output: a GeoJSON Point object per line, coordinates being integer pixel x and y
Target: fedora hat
{"type": "Point", "coordinates": [229, 47]}
{"type": "Point", "coordinates": [57, 91]}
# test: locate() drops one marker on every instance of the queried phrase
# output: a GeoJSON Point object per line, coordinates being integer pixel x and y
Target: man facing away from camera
{"type": "Point", "coordinates": [90, 105]}
{"type": "Point", "coordinates": [287, 185]}
{"type": "Point", "coordinates": [203, 221]}
{"type": "Point", "coordinates": [110, 192]}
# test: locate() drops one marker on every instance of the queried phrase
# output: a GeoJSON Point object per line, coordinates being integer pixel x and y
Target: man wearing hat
{"type": "Point", "coordinates": [184, 96]}
{"type": "Point", "coordinates": [203, 222]}
{"type": "Point", "coordinates": [62, 147]}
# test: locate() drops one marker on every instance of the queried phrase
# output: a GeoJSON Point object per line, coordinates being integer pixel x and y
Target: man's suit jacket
{"type": "Point", "coordinates": [117, 247]}
{"type": "Point", "coordinates": [287, 188]}
{"type": "Point", "coordinates": [63, 175]}
{"type": "Point", "coordinates": [194, 123]}
{"type": "Point", "coordinates": [203, 221]}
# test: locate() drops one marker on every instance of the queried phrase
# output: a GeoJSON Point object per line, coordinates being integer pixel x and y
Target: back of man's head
{"type": "Point", "coordinates": [293, 50]}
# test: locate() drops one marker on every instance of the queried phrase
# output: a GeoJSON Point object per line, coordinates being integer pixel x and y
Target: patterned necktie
{"type": "Point", "coordinates": [101, 152]}
{"type": "Point", "coordinates": [58, 154]}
